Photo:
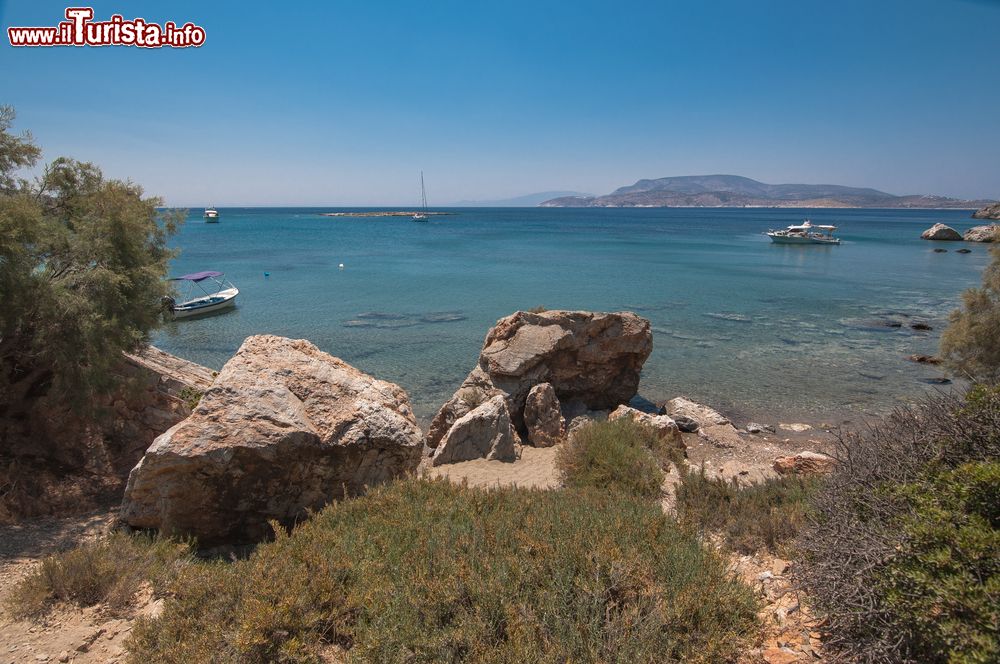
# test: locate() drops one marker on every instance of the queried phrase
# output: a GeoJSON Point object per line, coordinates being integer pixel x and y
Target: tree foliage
{"type": "Point", "coordinates": [82, 266]}
{"type": "Point", "coordinates": [971, 343]}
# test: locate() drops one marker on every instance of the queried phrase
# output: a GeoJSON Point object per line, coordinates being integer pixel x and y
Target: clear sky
{"type": "Point", "coordinates": [312, 103]}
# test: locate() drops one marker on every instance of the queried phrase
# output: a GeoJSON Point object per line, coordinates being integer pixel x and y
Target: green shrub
{"type": "Point", "coordinates": [619, 455]}
{"type": "Point", "coordinates": [901, 559]}
{"type": "Point", "coordinates": [944, 582]}
{"type": "Point", "coordinates": [970, 345]}
{"type": "Point", "coordinates": [427, 571]}
{"type": "Point", "coordinates": [764, 516]}
{"type": "Point", "coordinates": [108, 571]}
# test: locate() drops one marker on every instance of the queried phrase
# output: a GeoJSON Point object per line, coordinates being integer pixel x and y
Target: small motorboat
{"type": "Point", "coordinates": [223, 297]}
{"type": "Point", "coordinates": [211, 215]}
{"type": "Point", "coordinates": [805, 233]}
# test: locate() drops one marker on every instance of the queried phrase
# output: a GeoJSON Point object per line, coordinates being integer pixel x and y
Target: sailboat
{"type": "Point", "coordinates": [422, 215]}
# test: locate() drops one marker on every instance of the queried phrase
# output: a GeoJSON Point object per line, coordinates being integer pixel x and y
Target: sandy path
{"type": "Point", "coordinates": [536, 468]}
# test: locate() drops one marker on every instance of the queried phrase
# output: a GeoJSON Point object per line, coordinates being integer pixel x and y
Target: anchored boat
{"type": "Point", "coordinates": [211, 215]}
{"type": "Point", "coordinates": [209, 302]}
{"type": "Point", "coordinates": [422, 215]}
{"type": "Point", "coordinates": [805, 233]}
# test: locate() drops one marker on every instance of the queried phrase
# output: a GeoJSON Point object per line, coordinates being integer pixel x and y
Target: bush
{"type": "Point", "coordinates": [945, 579]}
{"type": "Point", "coordinates": [108, 571]}
{"type": "Point", "coordinates": [618, 455]}
{"type": "Point", "coordinates": [758, 517]}
{"type": "Point", "coordinates": [970, 345]}
{"type": "Point", "coordinates": [427, 571]}
{"type": "Point", "coordinates": [902, 557]}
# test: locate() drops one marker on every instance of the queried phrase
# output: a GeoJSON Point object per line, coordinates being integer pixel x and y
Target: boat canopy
{"type": "Point", "coordinates": [198, 276]}
{"type": "Point", "coordinates": [808, 226]}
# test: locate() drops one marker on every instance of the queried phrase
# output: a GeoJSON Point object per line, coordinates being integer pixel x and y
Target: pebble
{"type": "Point", "coordinates": [64, 656]}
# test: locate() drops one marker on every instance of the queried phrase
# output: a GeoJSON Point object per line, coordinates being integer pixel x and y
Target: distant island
{"type": "Point", "coordinates": [528, 200]}
{"type": "Point", "coordinates": [737, 191]}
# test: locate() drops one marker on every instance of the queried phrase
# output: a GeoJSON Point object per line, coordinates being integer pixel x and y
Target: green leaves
{"type": "Point", "coordinates": [82, 267]}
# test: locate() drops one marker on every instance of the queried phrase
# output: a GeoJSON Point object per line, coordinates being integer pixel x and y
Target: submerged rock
{"type": "Point", "coordinates": [484, 432]}
{"type": "Point", "coordinates": [924, 359]}
{"type": "Point", "coordinates": [988, 233]}
{"type": "Point", "coordinates": [941, 232]}
{"type": "Point", "coordinates": [593, 359]}
{"type": "Point", "coordinates": [284, 429]}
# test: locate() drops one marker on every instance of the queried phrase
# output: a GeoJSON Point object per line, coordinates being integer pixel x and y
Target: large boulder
{"type": "Point", "coordinates": [988, 212]}
{"type": "Point", "coordinates": [284, 429]}
{"type": "Point", "coordinates": [543, 417]}
{"type": "Point", "coordinates": [941, 232]}
{"type": "Point", "coordinates": [988, 233]}
{"type": "Point", "coordinates": [485, 432]}
{"type": "Point", "coordinates": [592, 360]}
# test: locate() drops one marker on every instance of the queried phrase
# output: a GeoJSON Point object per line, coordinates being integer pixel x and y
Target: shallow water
{"type": "Point", "coordinates": [759, 329]}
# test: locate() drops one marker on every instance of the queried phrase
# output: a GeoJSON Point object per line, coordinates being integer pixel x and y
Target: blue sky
{"type": "Point", "coordinates": [345, 102]}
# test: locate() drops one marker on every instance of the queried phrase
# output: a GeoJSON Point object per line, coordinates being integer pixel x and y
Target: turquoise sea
{"type": "Point", "coordinates": [761, 330]}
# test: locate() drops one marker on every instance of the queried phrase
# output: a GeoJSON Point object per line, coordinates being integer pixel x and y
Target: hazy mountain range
{"type": "Point", "coordinates": [528, 200]}
{"type": "Point", "coordinates": [737, 191]}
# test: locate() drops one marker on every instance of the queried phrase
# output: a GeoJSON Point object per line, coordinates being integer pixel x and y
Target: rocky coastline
{"type": "Point", "coordinates": [987, 212]}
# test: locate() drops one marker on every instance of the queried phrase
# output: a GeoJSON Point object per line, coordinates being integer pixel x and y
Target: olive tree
{"type": "Point", "coordinates": [82, 266]}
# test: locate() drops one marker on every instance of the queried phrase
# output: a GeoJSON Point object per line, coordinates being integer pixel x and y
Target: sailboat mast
{"type": "Point", "coordinates": [423, 192]}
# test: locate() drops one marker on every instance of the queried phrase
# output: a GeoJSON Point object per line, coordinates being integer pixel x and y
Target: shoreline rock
{"type": "Point", "coordinates": [591, 360]}
{"type": "Point", "coordinates": [284, 429]}
{"type": "Point", "coordinates": [988, 212]}
{"type": "Point", "coordinates": [941, 232]}
{"type": "Point", "coordinates": [987, 233]}
{"type": "Point", "coordinates": [485, 432]}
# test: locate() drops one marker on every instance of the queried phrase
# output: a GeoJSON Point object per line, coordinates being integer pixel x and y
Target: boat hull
{"type": "Point", "coordinates": [789, 239]}
{"type": "Point", "coordinates": [206, 305]}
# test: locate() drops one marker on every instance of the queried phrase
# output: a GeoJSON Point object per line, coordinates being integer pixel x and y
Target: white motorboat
{"type": "Point", "coordinates": [209, 301]}
{"type": "Point", "coordinates": [211, 215]}
{"type": "Point", "coordinates": [805, 233]}
{"type": "Point", "coordinates": [422, 215]}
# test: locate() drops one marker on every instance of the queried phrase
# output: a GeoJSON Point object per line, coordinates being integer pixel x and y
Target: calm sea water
{"type": "Point", "coordinates": [759, 329]}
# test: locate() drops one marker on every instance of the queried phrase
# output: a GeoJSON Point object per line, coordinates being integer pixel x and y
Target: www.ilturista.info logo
{"type": "Point", "coordinates": [81, 30]}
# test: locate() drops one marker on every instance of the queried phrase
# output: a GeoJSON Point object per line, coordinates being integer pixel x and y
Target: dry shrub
{"type": "Point", "coordinates": [890, 532]}
{"type": "Point", "coordinates": [619, 455]}
{"type": "Point", "coordinates": [108, 571]}
{"type": "Point", "coordinates": [427, 571]}
{"type": "Point", "coordinates": [758, 517]}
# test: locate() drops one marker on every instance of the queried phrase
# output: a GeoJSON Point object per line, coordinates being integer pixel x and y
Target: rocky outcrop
{"type": "Point", "coordinates": [485, 432]}
{"type": "Point", "coordinates": [804, 463]}
{"type": "Point", "coordinates": [941, 232]}
{"type": "Point", "coordinates": [591, 360]}
{"type": "Point", "coordinates": [284, 429]}
{"type": "Point", "coordinates": [665, 428]}
{"type": "Point", "coordinates": [988, 233]}
{"type": "Point", "coordinates": [988, 212]}
{"type": "Point", "coordinates": [543, 417]}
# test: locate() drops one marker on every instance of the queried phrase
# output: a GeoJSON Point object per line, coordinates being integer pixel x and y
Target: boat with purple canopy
{"type": "Point", "coordinates": [209, 302]}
